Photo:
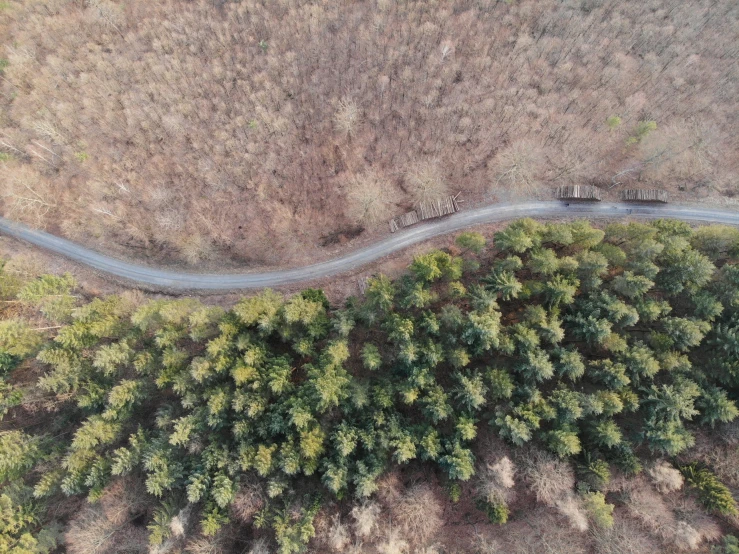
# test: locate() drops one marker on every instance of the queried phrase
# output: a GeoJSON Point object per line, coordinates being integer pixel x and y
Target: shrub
{"type": "Point", "coordinates": [259, 546]}
{"type": "Point", "coordinates": [419, 513]}
{"type": "Point", "coordinates": [338, 535]}
{"type": "Point", "coordinates": [730, 546]}
{"type": "Point", "coordinates": [598, 509]}
{"type": "Point", "coordinates": [713, 494]}
{"type": "Point", "coordinates": [494, 481]}
{"type": "Point", "coordinates": [365, 519]}
{"type": "Point", "coordinates": [497, 512]}
{"type": "Point", "coordinates": [248, 500]}
{"type": "Point", "coordinates": [571, 507]}
{"type": "Point", "coordinates": [645, 505]}
{"type": "Point", "coordinates": [8, 362]}
{"type": "Point", "coordinates": [665, 477]}
{"type": "Point", "coordinates": [454, 490]}
{"type": "Point", "coordinates": [472, 241]}
{"type": "Point", "coordinates": [623, 456]}
{"type": "Point", "coordinates": [595, 473]}
{"type": "Point", "coordinates": [549, 478]}
{"type": "Point", "coordinates": [393, 543]}
{"type": "Point", "coordinates": [624, 538]}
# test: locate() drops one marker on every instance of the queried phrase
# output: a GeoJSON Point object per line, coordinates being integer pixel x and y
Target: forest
{"type": "Point", "coordinates": [561, 371]}
{"type": "Point", "coordinates": [263, 133]}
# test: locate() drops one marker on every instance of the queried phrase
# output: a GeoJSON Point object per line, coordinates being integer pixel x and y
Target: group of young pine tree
{"type": "Point", "coordinates": [604, 346]}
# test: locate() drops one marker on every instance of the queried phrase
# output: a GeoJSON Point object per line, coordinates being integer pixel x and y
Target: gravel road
{"type": "Point", "coordinates": [173, 280]}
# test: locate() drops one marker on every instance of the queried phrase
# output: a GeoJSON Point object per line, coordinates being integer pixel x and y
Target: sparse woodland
{"type": "Point", "coordinates": [565, 389]}
{"type": "Point", "coordinates": [261, 131]}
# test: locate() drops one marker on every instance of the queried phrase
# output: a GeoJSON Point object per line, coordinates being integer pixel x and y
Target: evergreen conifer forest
{"type": "Point", "coordinates": [596, 352]}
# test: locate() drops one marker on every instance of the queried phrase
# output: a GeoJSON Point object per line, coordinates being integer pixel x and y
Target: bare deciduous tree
{"type": "Point", "coordinates": [370, 198]}
{"type": "Point", "coordinates": [419, 512]}
{"type": "Point", "coordinates": [550, 479]}
{"type": "Point", "coordinates": [518, 103]}
{"type": "Point", "coordinates": [518, 168]}
{"type": "Point", "coordinates": [366, 519]}
{"type": "Point", "coordinates": [495, 480]}
{"type": "Point", "coordinates": [249, 499]}
{"type": "Point", "coordinates": [425, 181]}
{"type": "Point", "coordinates": [665, 477]}
{"type": "Point", "coordinates": [28, 196]}
{"type": "Point", "coordinates": [347, 117]}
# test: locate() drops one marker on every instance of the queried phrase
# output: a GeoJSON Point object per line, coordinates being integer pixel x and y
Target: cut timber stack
{"type": "Point", "coordinates": [426, 210]}
{"type": "Point", "coordinates": [404, 220]}
{"type": "Point", "coordinates": [437, 208]}
{"type": "Point", "coordinates": [644, 195]}
{"type": "Point", "coordinates": [578, 192]}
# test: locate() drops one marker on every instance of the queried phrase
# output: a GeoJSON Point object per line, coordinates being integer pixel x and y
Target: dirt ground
{"type": "Point", "coordinates": [337, 288]}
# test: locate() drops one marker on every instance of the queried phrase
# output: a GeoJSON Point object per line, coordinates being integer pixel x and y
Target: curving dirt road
{"type": "Point", "coordinates": [174, 280]}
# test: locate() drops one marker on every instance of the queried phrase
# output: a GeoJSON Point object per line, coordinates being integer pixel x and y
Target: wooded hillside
{"type": "Point", "coordinates": [564, 367]}
{"type": "Point", "coordinates": [262, 131]}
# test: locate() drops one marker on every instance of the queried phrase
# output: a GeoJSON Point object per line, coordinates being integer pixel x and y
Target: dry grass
{"type": "Point", "coordinates": [552, 480]}
{"type": "Point", "coordinates": [259, 546]}
{"type": "Point", "coordinates": [677, 521]}
{"type": "Point", "coordinates": [389, 489]}
{"type": "Point", "coordinates": [719, 449]}
{"type": "Point", "coordinates": [685, 537]}
{"type": "Point", "coordinates": [646, 506]}
{"type": "Point", "coordinates": [724, 461]}
{"type": "Point", "coordinates": [623, 538]}
{"type": "Point", "coordinates": [91, 532]}
{"type": "Point", "coordinates": [543, 533]}
{"type": "Point", "coordinates": [482, 544]}
{"type": "Point", "coordinates": [124, 499]}
{"type": "Point", "coordinates": [107, 527]}
{"type": "Point", "coordinates": [418, 512]}
{"type": "Point", "coordinates": [704, 527]}
{"type": "Point", "coordinates": [356, 548]}
{"type": "Point", "coordinates": [180, 522]}
{"type": "Point", "coordinates": [432, 549]}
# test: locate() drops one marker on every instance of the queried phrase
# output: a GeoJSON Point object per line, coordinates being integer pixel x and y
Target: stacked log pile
{"type": "Point", "coordinates": [644, 195]}
{"type": "Point", "coordinates": [426, 210]}
{"type": "Point", "coordinates": [578, 192]}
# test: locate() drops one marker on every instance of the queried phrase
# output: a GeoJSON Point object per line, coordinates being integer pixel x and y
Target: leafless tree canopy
{"type": "Point", "coordinates": [419, 513]}
{"type": "Point", "coordinates": [231, 128]}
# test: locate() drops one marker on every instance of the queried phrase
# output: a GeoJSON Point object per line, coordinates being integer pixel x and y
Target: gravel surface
{"type": "Point", "coordinates": [180, 281]}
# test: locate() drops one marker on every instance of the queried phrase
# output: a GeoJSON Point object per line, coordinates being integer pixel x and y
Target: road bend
{"type": "Point", "coordinates": [168, 280]}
